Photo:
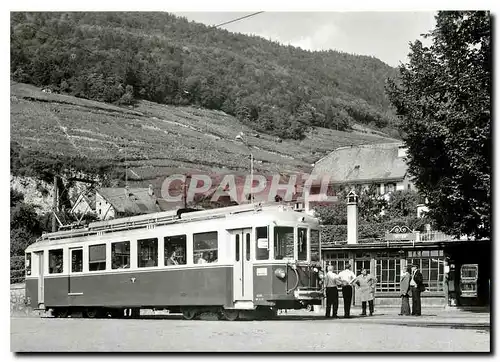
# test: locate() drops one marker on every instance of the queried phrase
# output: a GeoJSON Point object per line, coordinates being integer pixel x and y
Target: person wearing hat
{"type": "Point", "coordinates": [404, 291]}
{"type": "Point", "coordinates": [347, 277]}
{"type": "Point", "coordinates": [416, 287]}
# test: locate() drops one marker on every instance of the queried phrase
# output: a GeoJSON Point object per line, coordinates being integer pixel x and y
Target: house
{"type": "Point", "coordinates": [117, 202]}
{"type": "Point", "coordinates": [380, 164]}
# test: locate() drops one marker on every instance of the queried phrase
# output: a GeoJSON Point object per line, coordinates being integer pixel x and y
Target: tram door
{"type": "Point", "coordinates": [41, 290]}
{"type": "Point", "coordinates": [76, 266]}
{"type": "Point", "coordinates": [242, 274]}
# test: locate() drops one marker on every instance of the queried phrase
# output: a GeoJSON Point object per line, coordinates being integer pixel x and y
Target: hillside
{"type": "Point", "coordinates": [152, 139]}
{"type": "Point", "coordinates": [121, 58]}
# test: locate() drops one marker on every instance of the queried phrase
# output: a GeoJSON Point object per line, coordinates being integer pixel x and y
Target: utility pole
{"type": "Point", "coordinates": [55, 207]}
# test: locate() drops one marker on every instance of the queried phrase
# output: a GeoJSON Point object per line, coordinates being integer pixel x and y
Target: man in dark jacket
{"type": "Point", "coordinates": [417, 287]}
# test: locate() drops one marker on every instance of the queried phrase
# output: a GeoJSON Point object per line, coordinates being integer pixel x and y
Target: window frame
{"type": "Point", "coordinates": [49, 260]}
{"type": "Point", "coordinates": [105, 244]}
{"type": "Point", "coordinates": [167, 251]}
{"type": "Point", "coordinates": [196, 251]}
{"type": "Point", "coordinates": [275, 242]}
{"type": "Point", "coordinates": [112, 244]}
{"type": "Point", "coordinates": [268, 249]}
{"type": "Point", "coordinates": [139, 253]}
{"type": "Point", "coordinates": [70, 251]}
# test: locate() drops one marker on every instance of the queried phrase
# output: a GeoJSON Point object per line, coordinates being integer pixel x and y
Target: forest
{"type": "Point", "coordinates": [121, 58]}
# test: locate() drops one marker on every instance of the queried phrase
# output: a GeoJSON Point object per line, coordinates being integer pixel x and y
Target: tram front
{"type": "Point", "coordinates": [287, 269]}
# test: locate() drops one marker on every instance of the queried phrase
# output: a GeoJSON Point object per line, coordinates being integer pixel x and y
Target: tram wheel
{"type": "Point", "coordinates": [189, 313]}
{"type": "Point", "coordinates": [230, 314]}
{"type": "Point", "coordinates": [91, 312]}
{"type": "Point", "coordinates": [61, 312]}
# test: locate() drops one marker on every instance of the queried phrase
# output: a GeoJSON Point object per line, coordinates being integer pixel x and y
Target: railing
{"type": "Point", "coordinates": [433, 236]}
{"type": "Point", "coordinates": [430, 236]}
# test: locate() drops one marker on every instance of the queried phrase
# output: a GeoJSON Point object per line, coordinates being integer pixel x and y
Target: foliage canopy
{"type": "Point", "coordinates": [443, 98]}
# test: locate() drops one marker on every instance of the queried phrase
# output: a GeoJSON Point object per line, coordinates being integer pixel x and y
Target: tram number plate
{"type": "Point", "coordinates": [261, 271]}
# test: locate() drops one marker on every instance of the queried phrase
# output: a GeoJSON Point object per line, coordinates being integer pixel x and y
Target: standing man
{"type": "Point", "coordinates": [346, 279]}
{"type": "Point", "coordinates": [332, 293]}
{"type": "Point", "coordinates": [417, 287]}
{"type": "Point", "coordinates": [366, 288]}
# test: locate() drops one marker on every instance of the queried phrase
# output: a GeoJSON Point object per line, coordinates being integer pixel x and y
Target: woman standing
{"type": "Point", "coordinates": [404, 289]}
{"type": "Point", "coordinates": [366, 289]}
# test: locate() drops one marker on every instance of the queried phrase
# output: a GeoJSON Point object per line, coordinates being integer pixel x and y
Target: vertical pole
{"type": "Point", "coordinates": [54, 206]}
{"type": "Point", "coordinates": [251, 176]}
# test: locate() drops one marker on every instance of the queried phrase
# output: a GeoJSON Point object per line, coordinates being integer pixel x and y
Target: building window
{"type": "Point", "coordinates": [388, 274]}
{"type": "Point", "coordinates": [175, 250]}
{"type": "Point", "coordinates": [147, 253]}
{"type": "Point", "coordinates": [97, 257]}
{"type": "Point", "coordinates": [76, 260]}
{"type": "Point", "coordinates": [120, 255]}
{"type": "Point", "coordinates": [55, 261]}
{"type": "Point", "coordinates": [262, 244]}
{"type": "Point", "coordinates": [28, 263]}
{"type": "Point", "coordinates": [205, 248]}
{"type": "Point", "coordinates": [302, 244]}
{"type": "Point", "coordinates": [390, 187]}
{"type": "Point", "coordinates": [337, 260]}
{"type": "Point", "coordinates": [431, 265]}
{"type": "Point", "coordinates": [283, 242]}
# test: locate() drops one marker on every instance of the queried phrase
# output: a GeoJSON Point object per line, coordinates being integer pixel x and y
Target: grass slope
{"type": "Point", "coordinates": [156, 140]}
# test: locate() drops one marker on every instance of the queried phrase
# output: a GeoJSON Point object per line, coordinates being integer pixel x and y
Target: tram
{"type": "Point", "coordinates": [247, 259]}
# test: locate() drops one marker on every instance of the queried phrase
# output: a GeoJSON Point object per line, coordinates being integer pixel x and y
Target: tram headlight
{"type": "Point", "coordinates": [315, 270]}
{"type": "Point", "coordinates": [280, 273]}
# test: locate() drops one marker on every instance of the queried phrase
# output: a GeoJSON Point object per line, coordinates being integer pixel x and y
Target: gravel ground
{"type": "Point", "coordinates": [287, 333]}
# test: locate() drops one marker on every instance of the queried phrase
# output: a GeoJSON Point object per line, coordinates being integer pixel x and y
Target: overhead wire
{"type": "Point", "coordinates": [238, 19]}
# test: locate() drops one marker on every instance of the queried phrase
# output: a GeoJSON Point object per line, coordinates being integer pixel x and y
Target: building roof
{"type": "Point", "coordinates": [138, 200]}
{"type": "Point", "coordinates": [363, 163]}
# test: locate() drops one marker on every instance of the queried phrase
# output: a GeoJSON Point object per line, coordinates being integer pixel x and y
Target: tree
{"type": "Point", "coordinates": [443, 100]}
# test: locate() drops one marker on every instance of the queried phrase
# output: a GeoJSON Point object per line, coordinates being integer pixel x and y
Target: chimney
{"type": "Point", "coordinates": [352, 218]}
{"type": "Point", "coordinates": [150, 190]}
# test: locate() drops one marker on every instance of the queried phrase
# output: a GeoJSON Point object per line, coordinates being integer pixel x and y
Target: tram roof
{"type": "Point", "coordinates": [163, 218]}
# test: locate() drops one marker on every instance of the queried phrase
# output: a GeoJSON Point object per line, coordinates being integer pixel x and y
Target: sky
{"type": "Point", "coordinates": [384, 35]}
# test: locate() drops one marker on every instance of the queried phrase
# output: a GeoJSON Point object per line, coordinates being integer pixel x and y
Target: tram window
{"type": "Point", "coordinates": [147, 253]}
{"type": "Point", "coordinates": [55, 261]}
{"type": "Point", "coordinates": [302, 244]}
{"type": "Point", "coordinates": [205, 248]}
{"type": "Point", "coordinates": [237, 247]}
{"type": "Point", "coordinates": [76, 260]}
{"type": "Point", "coordinates": [315, 254]}
{"type": "Point", "coordinates": [175, 250]}
{"type": "Point", "coordinates": [28, 263]}
{"type": "Point", "coordinates": [247, 248]}
{"type": "Point", "coordinates": [283, 242]}
{"type": "Point", "coordinates": [97, 257]}
{"type": "Point", "coordinates": [120, 255]}
{"type": "Point", "coordinates": [262, 245]}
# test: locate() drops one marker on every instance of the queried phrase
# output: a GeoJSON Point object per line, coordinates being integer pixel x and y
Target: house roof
{"type": "Point", "coordinates": [138, 200]}
{"type": "Point", "coordinates": [363, 163]}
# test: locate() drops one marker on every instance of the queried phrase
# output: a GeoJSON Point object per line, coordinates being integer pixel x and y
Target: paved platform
{"type": "Point", "coordinates": [445, 317]}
